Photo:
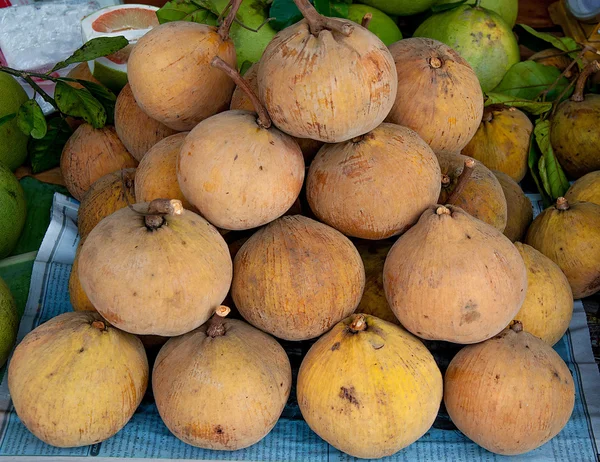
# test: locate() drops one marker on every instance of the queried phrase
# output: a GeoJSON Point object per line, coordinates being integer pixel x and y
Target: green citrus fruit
{"type": "Point", "coordinates": [400, 7]}
{"type": "Point", "coordinates": [480, 36]}
{"type": "Point", "coordinates": [507, 9]}
{"type": "Point", "coordinates": [13, 210]}
{"type": "Point", "coordinates": [9, 322]}
{"type": "Point", "coordinates": [13, 142]}
{"type": "Point", "coordinates": [381, 24]}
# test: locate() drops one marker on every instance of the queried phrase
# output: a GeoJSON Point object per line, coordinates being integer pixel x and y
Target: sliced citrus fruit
{"type": "Point", "coordinates": [131, 21]}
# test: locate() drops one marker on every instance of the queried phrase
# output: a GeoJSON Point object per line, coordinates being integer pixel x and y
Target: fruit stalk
{"type": "Point", "coordinates": [158, 208]}
{"type": "Point", "coordinates": [562, 204]}
{"type": "Point", "coordinates": [318, 22]}
{"type": "Point", "coordinates": [366, 20]}
{"type": "Point", "coordinates": [215, 326]}
{"type": "Point", "coordinates": [517, 327]}
{"type": "Point", "coordinates": [358, 324]}
{"type": "Point", "coordinates": [462, 181]}
{"type": "Point", "coordinates": [99, 325]}
{"type": "Point", "coordinates": [591, 68]}
{"type": "Point", "coordinates": [225, 26]}
{"type": "Point", "coordinates": [264, 120]}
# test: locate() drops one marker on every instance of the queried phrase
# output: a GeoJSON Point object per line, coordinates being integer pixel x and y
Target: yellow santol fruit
{"type": "Point", "coordinates": [585, 189]}
{"type": "Point", "coordinates": [373, 301]}
{"type": "Point", "coordinates": [569, 234]}
{"type": "Point", "coordinates": [108, 194]}
{"type": "Point", "coordinates": [76, 380]}
{"type": "Point", "coordinates": [368, 387]}
{"type": "Point", "coordinates": [548, 306]}
{"type": "Point", "coordinates": [509, 394]}
{"type": "Point", "coordinates": [502, 141]}
{"type": "Point", "coordinates": [222, 386]}
{"type": "Point", "coordinates": [519, 210]}
{"type": "Point", "coordinates": [78, 297]}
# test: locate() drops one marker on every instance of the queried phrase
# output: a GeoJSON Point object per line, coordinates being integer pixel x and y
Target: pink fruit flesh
{"type": "Point", "coordinates": [125, 19]}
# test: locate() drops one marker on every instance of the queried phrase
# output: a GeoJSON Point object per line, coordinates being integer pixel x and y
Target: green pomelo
{"type": "Point", "coordinates": [249, 45]}
{"type": "Point", "coordinates": [381, 25]}
{"type": "Point", "coordinates": [400, 7]}
{"type": "Point", "coordinates": [113, 79]}
{"type": "Point", "coordinates": [13, 142]}
{"type": "Point", "coordinates": [13, 211]}
{"type": "Point", "coordinates": [480, 36]}
{"type": "Point", "coordinates": [9, 322]}
{"type": "Point", "coordinates": [507, 9]}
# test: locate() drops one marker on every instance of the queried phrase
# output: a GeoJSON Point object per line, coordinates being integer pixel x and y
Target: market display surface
{"type": "Point", "coordinates": [292, 231]}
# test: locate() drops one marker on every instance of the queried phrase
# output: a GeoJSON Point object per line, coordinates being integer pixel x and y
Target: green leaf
{"type": "Point", "coordinates": [552, 175]}
{"type": "Point", "coordinates": [531, 107]}
{"type": "Point", "coordinates": [106, 97]}
{"type": "Point", "coordinates": [45, 153]}
{"type": "Point", "coordinates": [31, 120]}
{"type": "Point", "coordinates": [340, 10]}
{"type": "Point", "coordinates": [533, 163]}
{"type": "Point", "coordinates": [285, 13]}
{"type": "Point", "coordinates": [446, 6]}
{"type": "Point", "coordinates": [244, 67]}
{"type": "Point", "coordinates": [7, 118]}
{"type": "Point", "coordinates": [79, 102]}
{"type": "Point", "coordinates": [183, 10]}
{"type": "Point", "coordinates": [527, 79]}
{"type": "Point", "coordinates": [540, 40]}
{"type": "Point", "coordinates": [323, 7]}
{"type": "Point", "coordinates": [95, 48]}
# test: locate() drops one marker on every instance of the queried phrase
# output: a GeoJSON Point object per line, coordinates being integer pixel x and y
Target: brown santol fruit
{"type": "Point", "coordinates": [295, 278]}
{"type": "Point", "coordinates": [75, 380]}
{"type": "Point", "coordinates": [171, 76]}
{"type": "Point", "coordinates": [502, 141]}
{"type": "Point", "coordinates": [453, 267]}
{"type": "Point", "coordinates": [575, 132]}
{"type": "Point", "coordinates": [509, 394]}
{"type": "Point", "coordinates": [245, 182]}
{"type": "Point", "coordinates": [548, 306]}
{"type": "Point", "coordinates": [373, 301]}
{"type": "Point", "coordinates": [316, 105]}
{"type": "Point", "coordinates": [368, 387]}
{"type": "Point", "coordinates": [135, 128]}
{"type": "Point", "coordinates": [519, 210]}
{"type": "Point", "coordinates": [241, 100]}
{"type": "Point", "coordinates": [156, 176]}
{"type": "Point", "coordinates": [155, 268]}
{"type": "Point", "coordinates": [106, 195]}
{"type": "Point", "coordinates": [569, 234]}
{"type": "Point", "coordinates": [89, 154]}
{"type": "Point", "coordinates": [481, 196]}
{"type": "Point", "coordinates": [348, 183]}
{"type": "Point", "coordinates": [222, 386]}
{"type": "Point", "coordinates": [439, 95]}
{"type": "Point", "coordinates": [78, 297]}
{"type": "Point", "coordinates": [585, 189]}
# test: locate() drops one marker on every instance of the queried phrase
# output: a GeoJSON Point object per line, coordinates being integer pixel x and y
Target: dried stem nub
{"type": "Point", "coordinates": [562, 204]}
{"type": "Point", "coordinates": [263, 116]}
{"type": "Point", "coordinates": [441, 210]}
{"type": "Point", "coordinates": [358, 323]}
{"type": "Point", "coordinates": [318, 22]}
{"type": "Point", "coordinates": [592, 67]}
{"type": "Point", "coordinates": [517, 327]}
{"type": "Point", "coordinates": [158, 208]}
{"type": "Point", "coordinates": [99, 325]}
{"type": "Point", "coordinates": [216, 327]}
{"type": "Point", "coordinates": [366, 20]}
{"type": "Point", "coordinates": [462, 181]}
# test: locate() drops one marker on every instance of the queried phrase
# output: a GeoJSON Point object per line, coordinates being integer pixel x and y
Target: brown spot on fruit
{"type": "Point", "coordinates": [348, 394]}
{"type": "Point", "coordinates": [335, 346]}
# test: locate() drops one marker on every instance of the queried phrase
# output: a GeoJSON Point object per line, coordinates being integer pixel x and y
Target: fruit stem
{"type": "Point", "coordinates": [264, 120]}
{"type": "Point", "coordinates": [317, 22]}
{"type": "Point", "coordinates": [366, 20]}
{"type": "Point", "coordinates": [592, 67]}
{"type": "Point", "coordinates": [215, 326]}
{"type": "Point", "coordinates": [225, 26]}
{"type": "Point", "coordinates": [158, 208]}
{"type": "Point", "coordinates": [488, 113]}
{"type": "Point", "coordinates": [462, 181]}
{"type": "Point", "coordinates": [441, 210]}
{"type": "Point", "coordinates": [358, 323]}
{"type": "Point", "coordinates": [99, 325]}
{"type": "Point", "coordinates": [445, 181]}
{"type": "Point", "coordinates": [517, 327]}
{"type": "Point", "coordinates": [435, 62]}
{"type": "Point", "coordinates": [562, 204]}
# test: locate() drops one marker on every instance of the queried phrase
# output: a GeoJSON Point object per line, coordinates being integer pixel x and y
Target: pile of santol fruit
{"type": "Point", "coordinates": [426, 222]}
